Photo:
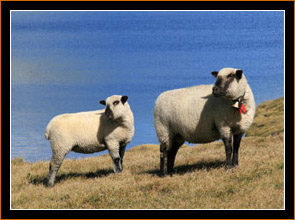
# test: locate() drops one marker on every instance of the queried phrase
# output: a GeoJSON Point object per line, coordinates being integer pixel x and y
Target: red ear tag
{"type": "Point", "coordinates": [242, 109]}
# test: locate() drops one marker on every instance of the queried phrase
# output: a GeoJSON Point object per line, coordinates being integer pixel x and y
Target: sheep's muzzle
{"type": "Point", "coordinates": [108, 113]}
{"type": "Point", "coordinates": [217, 91]}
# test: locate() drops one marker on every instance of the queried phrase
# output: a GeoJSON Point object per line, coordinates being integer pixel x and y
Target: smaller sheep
{"type": "Point", "coordinates": [90, 132]}
{"type": "Point", "coordinates": [205, 113]}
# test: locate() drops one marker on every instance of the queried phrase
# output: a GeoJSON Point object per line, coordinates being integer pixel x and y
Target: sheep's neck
{"type": "Point", "coordinates": [124, 122]}
{"type": "Point", "coordinates": [247, 99]}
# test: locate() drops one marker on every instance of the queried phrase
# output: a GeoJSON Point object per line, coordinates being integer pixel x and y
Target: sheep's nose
{"type": "Point", "coordinates": [215, 90]}
{"type": "Point", "coordinates": [107, 111]}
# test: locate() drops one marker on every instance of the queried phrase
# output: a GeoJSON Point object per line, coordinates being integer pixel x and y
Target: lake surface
{"type": "Point", "coordinates": [64, 62]}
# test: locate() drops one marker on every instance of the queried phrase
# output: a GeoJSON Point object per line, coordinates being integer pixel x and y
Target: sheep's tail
{"type": "Point", "coordinates": [47, 133]}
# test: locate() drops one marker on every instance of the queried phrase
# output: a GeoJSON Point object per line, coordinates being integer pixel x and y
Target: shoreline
{"type": "Point", "coordinates": [263, 125]}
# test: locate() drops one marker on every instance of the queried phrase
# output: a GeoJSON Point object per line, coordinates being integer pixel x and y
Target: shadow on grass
{"type": "Point", "coordinates": [99, 173]}
{"type": "Point", "coordinates": [183, 169]}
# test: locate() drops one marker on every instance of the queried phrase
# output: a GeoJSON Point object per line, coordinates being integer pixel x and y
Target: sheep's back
{"type": "Point", "coordinates": [188, 112]}
{"type": "Point", "coordinates": [72, 125]}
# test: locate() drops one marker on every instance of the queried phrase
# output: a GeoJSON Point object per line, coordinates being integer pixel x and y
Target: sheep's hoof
{"type": "Point", "coordinates": [49, 185]}
{"type": "Point", "coordinates": [117, 169]}
{"type": "Point", "coordinates": [165, 174]}
{"type": "Point", "coordinates": [229, 166]}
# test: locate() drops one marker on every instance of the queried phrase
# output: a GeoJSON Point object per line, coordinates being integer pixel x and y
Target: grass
{"type": "Point", "coordinates": [269, 119]}
{"type": "Point", "coordinates": [200, 180]}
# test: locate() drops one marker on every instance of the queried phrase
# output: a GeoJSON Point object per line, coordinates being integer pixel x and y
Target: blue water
{"type": "Point", "coordinates": [65, 62]}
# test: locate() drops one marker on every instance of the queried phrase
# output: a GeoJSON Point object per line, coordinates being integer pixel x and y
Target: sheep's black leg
{"type": "Point", "coordinates": [171, 159]}
{"type": "Point", "coordinates": [237, 141]}
{"type": "Point", "coordinates": [117, 165]}
{"type": "Point", "coordinates": [228, 151]}
{"type": "Point", "coordinates": [177, 142]}
{"type": "Point", "coordinates": [114, 151]}
{"type": "Point", "coordinates": [122, 152]}
{"type": "Point", "coordinates": [54, 166]}
{"type": "Point", "coordinates": [163, 160]}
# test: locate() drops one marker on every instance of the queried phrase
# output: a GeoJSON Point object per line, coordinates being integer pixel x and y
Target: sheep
{"type": "Point", "coordinates": [92, 131]}
{"type": "Point", "coordinates": [203, 114]}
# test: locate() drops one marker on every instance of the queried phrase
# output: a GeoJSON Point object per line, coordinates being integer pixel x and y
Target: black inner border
{"type": "Point", "coordinates": [288, 213]}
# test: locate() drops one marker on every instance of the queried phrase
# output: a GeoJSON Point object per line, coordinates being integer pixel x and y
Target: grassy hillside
{"type": "Point", "coordinates": [269, 119]}
{"type": "Point", "coordinates": [200, 180]}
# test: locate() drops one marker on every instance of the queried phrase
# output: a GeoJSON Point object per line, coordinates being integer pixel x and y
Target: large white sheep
{"type": "Point", "coordinates": [205, 113]}
{"type": "Point", "coordinates": [93, 131]}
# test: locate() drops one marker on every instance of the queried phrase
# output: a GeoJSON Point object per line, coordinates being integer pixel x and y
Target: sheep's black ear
{"type": "Point", "coordinates": [239, 73]}
{"type": "Point", "coordinates": [124, 99]}
{"type": "Point", "coordinates": [103, 102]}
{"type": "Point", "coordinates": [214, 73]}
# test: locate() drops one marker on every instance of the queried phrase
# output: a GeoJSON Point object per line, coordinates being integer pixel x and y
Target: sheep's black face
{"type": "Point", "coordinates": [109, 113]}
{"type": "Point", "coordinates": [115, 107]}
{"type": "Point", "coordinates": [221, 85]}
{"type": "Point", "coordinates": [219, 88]}
{"type": "Point", "coordinates": [226, 82]}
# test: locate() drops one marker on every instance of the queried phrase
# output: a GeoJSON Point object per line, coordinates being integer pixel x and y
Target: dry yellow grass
{"type": "Point", "coordinates": [200, 180]}
{"type": "Point", "coordinates": [269, 119]}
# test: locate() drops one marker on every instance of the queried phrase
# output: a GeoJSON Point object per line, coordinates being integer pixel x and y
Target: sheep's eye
{"type": "Point", "coordinates": [230, 75]}
{"type": "Point", "coordinates": [115, 102]}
